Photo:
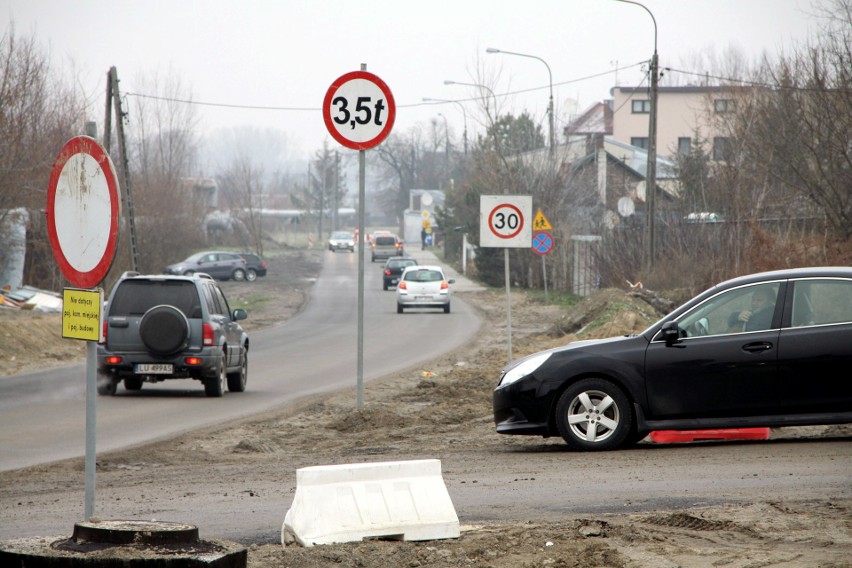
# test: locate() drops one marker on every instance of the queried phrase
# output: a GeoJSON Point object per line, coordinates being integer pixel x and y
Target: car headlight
{"type": "Point", "coordinates": [523, 369]}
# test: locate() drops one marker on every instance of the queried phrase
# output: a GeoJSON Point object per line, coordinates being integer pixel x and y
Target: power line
{"type": "Point", "coordinates": [317, 109]}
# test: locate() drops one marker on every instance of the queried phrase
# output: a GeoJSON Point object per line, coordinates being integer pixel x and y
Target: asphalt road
{"type": "Point", "coordinates": [42, 414]}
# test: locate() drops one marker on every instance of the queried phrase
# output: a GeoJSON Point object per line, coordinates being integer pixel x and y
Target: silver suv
{"type": "Point", "coordinates": [160, 327]}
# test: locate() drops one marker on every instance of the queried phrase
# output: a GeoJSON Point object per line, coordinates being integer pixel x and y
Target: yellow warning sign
{"type": "Point", "coordinates": [540, 223]}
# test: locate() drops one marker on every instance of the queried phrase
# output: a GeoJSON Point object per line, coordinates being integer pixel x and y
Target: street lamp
{"type": "Point", "coordinates": [651, 179]}
{"type": "Point", "coordinates": [464, 116]}
{"type": "Point", "coordinates": [478, 86]}
{"type": "Point", "coordinates": [506, 270]}
{"type": "Point", "coordinates": [550, 79]}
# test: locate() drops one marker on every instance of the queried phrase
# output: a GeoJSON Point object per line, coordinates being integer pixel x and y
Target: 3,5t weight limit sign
{"type": "Point", "coordinates": [505, 221]}
{"type": "Point", "coordinates": [359, 110]}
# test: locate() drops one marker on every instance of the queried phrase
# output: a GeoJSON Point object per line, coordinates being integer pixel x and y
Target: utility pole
{"type": "Point", "coordinates": [113, 99]}
{"type": "Point", "coordinates": [651, 183]}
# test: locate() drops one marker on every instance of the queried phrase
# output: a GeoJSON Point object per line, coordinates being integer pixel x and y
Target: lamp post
{"type": "Point", "coordinates": [478, 86]}
{"type": "Point", "coordinates": [550, 101]}
{"type": "Point", "coordinates": [506, 271]}
{"type": "Point", "coordinates": [464, 116]}
{"type": "Point", "coordinates": [651, 178]}
{"type": "Point", "coordinates": [446, 146]}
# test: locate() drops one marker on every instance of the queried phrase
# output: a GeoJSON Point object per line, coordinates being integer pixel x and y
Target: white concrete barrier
{"type": "Point", "coordinates": [403, 500]}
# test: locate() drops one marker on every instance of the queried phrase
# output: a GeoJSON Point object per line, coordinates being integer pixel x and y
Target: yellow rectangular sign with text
{"type": "Point", "coordinates": [82, 314]}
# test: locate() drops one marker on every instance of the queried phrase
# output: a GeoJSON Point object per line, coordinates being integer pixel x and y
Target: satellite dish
{"type": "Point", "coordinates": [426, 199]}
{"type": "Point", "coordinates": [626, 208]}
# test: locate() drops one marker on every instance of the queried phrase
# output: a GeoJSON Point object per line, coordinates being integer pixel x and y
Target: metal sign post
{"type": "Point", "coordinates": [504, 222]}
{"type": "Point", "coordinates": [359, 112]}
{"type": "Point", "coordinates": [83, 209]}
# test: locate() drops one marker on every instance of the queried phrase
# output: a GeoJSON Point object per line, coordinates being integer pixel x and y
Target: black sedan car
{"type": "Point", "coordinates": [393, 269]}
{"type": "Point", "coordinates": [768, 349]}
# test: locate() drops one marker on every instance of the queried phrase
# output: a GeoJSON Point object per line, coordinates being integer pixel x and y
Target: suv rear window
{"type": "Point", "coordinates": [385, 241]}
{"type": "Point", "coordinates": [135, 297]}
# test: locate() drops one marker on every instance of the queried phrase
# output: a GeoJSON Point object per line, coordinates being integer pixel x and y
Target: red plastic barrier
{"type": "Point", "coordinates": [672, 436]}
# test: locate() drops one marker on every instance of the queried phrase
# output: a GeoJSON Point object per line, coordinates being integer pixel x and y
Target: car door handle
{"type": "Point", "coordinates": [757, 347]}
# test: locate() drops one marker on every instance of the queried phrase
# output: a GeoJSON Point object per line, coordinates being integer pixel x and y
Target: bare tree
{"type": "Point", "coordinates": [38, 114]}
{"type": "Point", "coordinates": [170, 206]}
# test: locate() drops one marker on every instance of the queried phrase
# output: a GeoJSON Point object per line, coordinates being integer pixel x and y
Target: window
{"type": "Point", "coordinates": [722, 149]}
{"type": "Point", "coordinates": [723, 105]}
{"type": "Point", "coordinates": [822, 302]}
{"type": "Point", "coordinates": [639, 142]}
{"type": "Point", "coordinates": [641, 107]}
{"type": "Point", "coordinates": [684, 146]}
{"type": "Point", "coordinates": [749, 308]}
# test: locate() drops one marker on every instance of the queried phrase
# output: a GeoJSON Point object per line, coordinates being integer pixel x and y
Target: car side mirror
{"type": "Point", "coordinates": [670, 332]}
{"type": "Point", "coordinates": [451, 281]}
{"type": "Point", "coordinates": [240, 314]}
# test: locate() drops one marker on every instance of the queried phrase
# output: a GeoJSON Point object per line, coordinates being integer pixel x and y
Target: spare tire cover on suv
{"type": "Point", "coordinates": [164, 330]}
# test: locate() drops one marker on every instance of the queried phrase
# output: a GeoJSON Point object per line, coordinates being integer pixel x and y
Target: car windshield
{"type": "Point", "coordinates": [425, 275]}
{"type": "Point", "coordinates": [341, 235]}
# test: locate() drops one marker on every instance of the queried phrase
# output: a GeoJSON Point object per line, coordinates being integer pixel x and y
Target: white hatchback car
{"type": "Point", "coordinates": [423, 286]}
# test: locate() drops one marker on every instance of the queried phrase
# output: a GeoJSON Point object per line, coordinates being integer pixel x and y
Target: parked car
{"type": "Point", "coordinates": [255, 266]}
{"type": "Point", "coordinates": [341, 240]}
{"type": "Point", "coordinates": [385, 246]}
{"type": "Point", "coordinates": [160, 327]}
{"type": "Point", "coordinates": [711, 363]}
{"type": "Point", "coordinates": [393, 270]}
{"type": "Point", "coordinates": [423, 286]}
{"type": "Point", "coordinates": [220, 265]}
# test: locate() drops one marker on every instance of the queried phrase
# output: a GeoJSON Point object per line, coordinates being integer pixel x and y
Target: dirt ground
{"type": "Point", "coordinates": [443, 410]}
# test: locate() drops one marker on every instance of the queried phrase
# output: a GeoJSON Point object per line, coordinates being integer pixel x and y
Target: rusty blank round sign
{"type": "Point", "coordinates": [83, 211]}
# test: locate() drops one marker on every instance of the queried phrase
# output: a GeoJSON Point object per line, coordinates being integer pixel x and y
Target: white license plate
{"type": "Point", "coordinates": [423, 298]}
{"type": "Point", "coordinates": [153, 369]}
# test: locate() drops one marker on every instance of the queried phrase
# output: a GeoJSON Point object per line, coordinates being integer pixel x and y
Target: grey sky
{"type": "Point", "coordinates": [286, 53]}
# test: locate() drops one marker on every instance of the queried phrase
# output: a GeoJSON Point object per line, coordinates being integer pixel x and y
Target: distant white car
{"type": "Point", "coordinates": [423, 286]}
{"type": "Point", "coordinates": [341, 240]}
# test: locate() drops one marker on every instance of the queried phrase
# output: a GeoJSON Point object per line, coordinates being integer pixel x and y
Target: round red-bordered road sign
{"type": "Point", "coordinates": [359, 110]}
{"type": "Point", "coordinates": [82, 211]}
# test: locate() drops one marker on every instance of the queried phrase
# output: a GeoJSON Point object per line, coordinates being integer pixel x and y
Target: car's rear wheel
{"type": "Point", "coordinates": [237, 381]}
{"type": "Point", "coordinates": [133, 383]}
{"type": "Point", "coordinates": [215, 386]}
{"type": "Point", "coordinates": [594, 415]}
{"type": "Point", "coordinates": [164, 330]}
{"type": "Point", "coordinates": [107, 385]}
{"type": "Point", "coordinates": [447, 309]}
{"type": "Point", "coordinates": [399, 308]}
{"type": "Point", "coordinates": [385, 286]}
{"type": "Point", "coordinates": [251, 275]}
{"type": "Point", "coordinates": [238, 275]}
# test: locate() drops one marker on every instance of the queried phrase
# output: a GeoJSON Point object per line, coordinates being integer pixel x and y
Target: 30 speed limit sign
{"type": "Point", "coordinates": [359, 110]}
{"type": "Point", "coordinates": [505, 221]}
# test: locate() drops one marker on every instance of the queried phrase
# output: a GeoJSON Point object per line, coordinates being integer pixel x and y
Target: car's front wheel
{"type": "Point", "coordinates": [594, 415]}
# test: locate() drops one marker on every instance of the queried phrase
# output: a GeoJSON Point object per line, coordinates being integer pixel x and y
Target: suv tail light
{"type": "Point", "coordinates": [207, 335]}
{"type": "Point", "coordinates": [104, 338]}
